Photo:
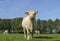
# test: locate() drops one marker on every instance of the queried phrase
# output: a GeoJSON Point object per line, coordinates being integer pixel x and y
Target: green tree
{"type": "Point", "coordinates": [57, 24]}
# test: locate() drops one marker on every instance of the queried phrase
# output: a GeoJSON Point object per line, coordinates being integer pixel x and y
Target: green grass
{"type": "Point", "coordinates": [20, 37]}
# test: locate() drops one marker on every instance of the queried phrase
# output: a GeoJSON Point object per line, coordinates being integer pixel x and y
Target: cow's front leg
{"type": "Point", "coordinates": [28, 34]}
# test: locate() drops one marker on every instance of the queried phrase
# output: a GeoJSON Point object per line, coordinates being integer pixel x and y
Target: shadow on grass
{"type": "Point", "coordinates": [43, 37]}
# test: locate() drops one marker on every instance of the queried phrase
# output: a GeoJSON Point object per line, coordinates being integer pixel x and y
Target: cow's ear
{"type": "Point", "coordinates": [36, 12]}
{"type": "Point", "coordinates": [27, 13]}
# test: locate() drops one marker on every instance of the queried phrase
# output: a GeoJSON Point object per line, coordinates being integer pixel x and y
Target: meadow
{"type": "Point", "coordinates": [37, 37]}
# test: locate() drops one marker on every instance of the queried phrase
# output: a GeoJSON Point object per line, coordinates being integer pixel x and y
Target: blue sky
{"type": "Point", "coordinates": [16, 8]}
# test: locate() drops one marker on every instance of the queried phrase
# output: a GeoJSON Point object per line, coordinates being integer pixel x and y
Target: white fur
{"type": "Point", "coordinates": [27, 23]}
{"type": "Point", "coordinates": [37, 32]}
{"type": "Point", "coordinates": [5, 32]}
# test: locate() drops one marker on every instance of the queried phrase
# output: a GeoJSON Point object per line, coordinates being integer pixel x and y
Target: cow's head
{"type": "Point", "coordinates": [31, 12]}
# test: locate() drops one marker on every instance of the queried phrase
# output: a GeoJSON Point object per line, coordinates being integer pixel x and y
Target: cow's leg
{"type": "Point", "coordinates": [31, 30]}
{"type": "Point", "coordinates": [31, 33]}
{"type": "Point", "coordinates": [25, 35]}
{"type": "Point", "coordinates": [28, 34]}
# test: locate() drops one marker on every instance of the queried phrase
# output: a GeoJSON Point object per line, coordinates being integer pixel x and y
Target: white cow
{"type": "Point", "coordinates": [5, 32]}
{"type": "Point", "coordinates": [28, 23]}
{"type": "Point", "coordinates": [37, 32]}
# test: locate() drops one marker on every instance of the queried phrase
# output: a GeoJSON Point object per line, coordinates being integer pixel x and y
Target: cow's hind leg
{"type": "Point", "coordinates": [25, 34]}
{"type": "Point", "coordinates": [31, 33]}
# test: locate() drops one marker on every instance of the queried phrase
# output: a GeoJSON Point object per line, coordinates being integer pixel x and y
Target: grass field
{"type": "Point", "coordinates": [40, 37]}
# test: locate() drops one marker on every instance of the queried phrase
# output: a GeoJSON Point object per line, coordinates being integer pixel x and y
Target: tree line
{"type": "Point", "coordinates": [43, 26]}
